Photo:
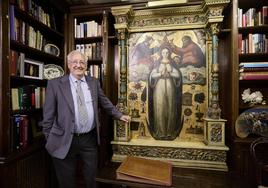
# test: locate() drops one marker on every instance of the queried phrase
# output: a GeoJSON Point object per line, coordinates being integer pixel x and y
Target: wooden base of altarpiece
{"type": "Point", "coordinates": [181, 154]}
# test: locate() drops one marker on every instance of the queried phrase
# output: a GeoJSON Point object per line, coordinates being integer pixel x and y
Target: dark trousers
{"type": "Point", "coordinates": [85, 148]}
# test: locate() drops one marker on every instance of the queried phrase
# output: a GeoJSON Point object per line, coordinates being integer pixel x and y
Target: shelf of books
{"type": "Point", "coordinates": [88, 39]}
{"type": "Point", "coordinates": [36, 40]}
{"type": "Point", "coordinates": [252, 49]}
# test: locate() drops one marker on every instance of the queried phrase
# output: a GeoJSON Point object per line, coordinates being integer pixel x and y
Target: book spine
{"type": "Point", "coordinates": [12, 22]}
{"type": "Point", "coordinates": [33, 104]}
{"type": "Point", "coordinates": [20, 97]}
{"type": "Point", "coordinates": [24, 131]}
{"type": "Point", "coordinates": [254, 64]}
{"type": "Point", "coordinates": [265, 15]}
{"type": "Point", "coordinates": [16, 132]}
{"type": "Point", "coordinates": [254, 77]}
{"type": "Point", "coordinates": [13, 62]}
{"type": "Point", "coordinates": [37, 97]}
{"type": "Point", "coordinates": [253, 69]}
{"type": "Point", "coordinates": [254, 73]}
{"type": "Point", "coordinates": [240, 46]}
{"type": "Point", "coordinates": [26, 97]}
{"type": "Point", "coordinates": [15, 99]}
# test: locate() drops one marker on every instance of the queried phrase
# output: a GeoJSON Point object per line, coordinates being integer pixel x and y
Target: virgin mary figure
{"type": "Point", "coordinates": [164, 95]}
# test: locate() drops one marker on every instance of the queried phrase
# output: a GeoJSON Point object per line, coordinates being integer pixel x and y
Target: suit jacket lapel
{"type": "Point", "coordinates": [90, 82]}
{"type": "Point", "coordinates": [93, 90]}
{"type": "Point", "coordinates": [66, 91]}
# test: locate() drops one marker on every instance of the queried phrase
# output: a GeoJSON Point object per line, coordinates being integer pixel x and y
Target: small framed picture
{"type": "Point", "coordinates": [32, 69]}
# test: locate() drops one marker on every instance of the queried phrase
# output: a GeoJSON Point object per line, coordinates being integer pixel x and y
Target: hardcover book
{"type": "Point", "coordinates": [253, 64]}
{"type": "Point", "coordinates": [261, 75]}
{"type": "Point", "coordinates": [145, 171]}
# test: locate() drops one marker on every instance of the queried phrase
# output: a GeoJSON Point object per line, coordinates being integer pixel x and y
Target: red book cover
{"type": "Point", "coordinates": [265, 15]}
{"type": "Point", "coordinates": [13, 59]}
{"type": "Point", "coordinates": [24, 126]}
{"type": "Point", "coordinates": [240, 43]}
{"type": "Point", "coordinates": [252, 76]}
{"type": "Point", "coordinates": [244, 20]}
{"type": "Point", "coordinates": [33, 105]}
{"type": "Point", "coordinates": [250, 43]}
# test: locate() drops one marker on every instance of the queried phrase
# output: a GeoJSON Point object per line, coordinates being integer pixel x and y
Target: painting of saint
{"type": "Point", "coordinates": [141, 53]}
{"type": "Point", "coordinates": [165, 83]}
{"type": "Point", "coordinates": [167, 64]}
{"type": "Point", "coordinates": [190, 53]}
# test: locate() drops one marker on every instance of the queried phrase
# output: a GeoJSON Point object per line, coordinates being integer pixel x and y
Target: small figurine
{"type": "Point", "coordinates": [214, 111]}
{"type": "Point", "coordinates": [142, 130]}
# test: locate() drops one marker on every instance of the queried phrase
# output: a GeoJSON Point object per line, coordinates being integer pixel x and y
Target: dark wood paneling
{"type": "Point", "coordinates": [4, 78]}
{"type": "Point", "coordinates": [8, 175]}
{"type": "Point", "coordinates": [182, 177]}
{"type": "Point", "coordinates": [33, 171]}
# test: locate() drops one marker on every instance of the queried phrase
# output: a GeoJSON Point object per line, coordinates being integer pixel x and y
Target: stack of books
{"type": "Point", "coordinates": [253, 71]}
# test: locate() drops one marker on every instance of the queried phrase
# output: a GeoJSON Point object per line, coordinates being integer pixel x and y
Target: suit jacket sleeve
{"type": "Point", "coordinates": [49, 109]}
{"type": "Point", "coordinates": [107, 104]}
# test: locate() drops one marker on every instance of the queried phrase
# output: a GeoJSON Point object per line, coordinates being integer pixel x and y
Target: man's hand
{"type": "Point", "coordinates": [125, 118]}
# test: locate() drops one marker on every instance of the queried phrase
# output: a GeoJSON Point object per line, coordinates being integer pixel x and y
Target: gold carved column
{"type": "Point", "coordinates": [122, 18]}
{"type": "Point", "coordinates": [214, 130]}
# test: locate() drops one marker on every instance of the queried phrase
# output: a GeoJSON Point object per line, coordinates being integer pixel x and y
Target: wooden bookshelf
{"type": "Point", "coordinates": [239, 156]}
{"type": "Point", "coordinates": [24, 166]}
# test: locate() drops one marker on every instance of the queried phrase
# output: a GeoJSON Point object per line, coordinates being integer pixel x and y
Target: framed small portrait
{"type": "Point", "coordinates": [32, 69]}
{"type": "Point", "coordinates": [52, 49]}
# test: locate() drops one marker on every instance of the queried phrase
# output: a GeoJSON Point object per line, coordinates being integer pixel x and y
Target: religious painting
{"type": "Point", "coordinates": [167, 83]}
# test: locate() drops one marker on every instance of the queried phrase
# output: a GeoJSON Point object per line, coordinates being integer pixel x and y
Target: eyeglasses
{"type": "Point", "coordinates": [78, 62]}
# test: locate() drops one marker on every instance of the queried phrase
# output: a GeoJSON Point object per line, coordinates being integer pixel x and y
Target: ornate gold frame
{"type": "Point", "coordinates": [208, 16]}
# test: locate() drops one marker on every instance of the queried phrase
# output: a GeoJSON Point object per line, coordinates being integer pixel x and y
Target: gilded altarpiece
{"type": "Point", "coordinates": [169, 85]}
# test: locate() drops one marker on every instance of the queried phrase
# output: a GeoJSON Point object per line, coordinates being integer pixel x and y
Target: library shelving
{"type": "Point", "coordinates": [28, 26]}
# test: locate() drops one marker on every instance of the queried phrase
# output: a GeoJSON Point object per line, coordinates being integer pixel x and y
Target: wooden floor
{"type": "Point", "coordinates": [182, 178]}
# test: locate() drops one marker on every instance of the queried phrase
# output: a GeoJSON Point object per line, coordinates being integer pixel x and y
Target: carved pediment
{"type": "Point", "coordinates": [169, 18]}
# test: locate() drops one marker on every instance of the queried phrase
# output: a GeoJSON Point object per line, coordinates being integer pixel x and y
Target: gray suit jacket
{"type": "Point", "coordinates": [59, 116]}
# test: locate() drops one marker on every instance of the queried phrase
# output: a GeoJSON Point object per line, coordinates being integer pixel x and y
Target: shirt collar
{"type": "Point", "coordinates": [73, 79]}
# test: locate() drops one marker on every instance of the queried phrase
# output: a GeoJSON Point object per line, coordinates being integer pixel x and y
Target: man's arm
{"type": "Point", "coordinates": [109, 107]}
{"type": "Point", "coordinates": [49, 109]}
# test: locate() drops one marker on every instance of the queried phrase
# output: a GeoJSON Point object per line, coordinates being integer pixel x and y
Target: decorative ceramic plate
{"type": "Point", "coordinates": [252, 121]}
{"type": "Point", "coordinates": [52, 49]}
{"type": "Point", "coordinates": [52, 71]}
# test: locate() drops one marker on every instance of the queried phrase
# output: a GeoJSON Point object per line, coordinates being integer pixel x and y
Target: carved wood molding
{"type": "Point", "coordinates": [171, 153]}
{"type": "Point", "coordinates": [171, 18]}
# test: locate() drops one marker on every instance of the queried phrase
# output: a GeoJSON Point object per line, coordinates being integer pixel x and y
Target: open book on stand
{"type": "Point", "coordinates": [145, 171]}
